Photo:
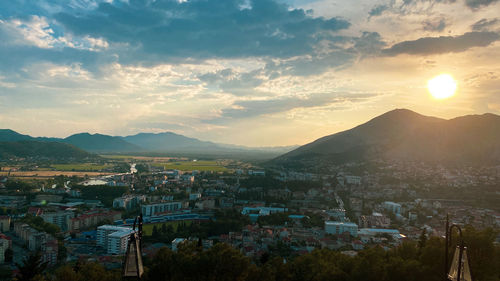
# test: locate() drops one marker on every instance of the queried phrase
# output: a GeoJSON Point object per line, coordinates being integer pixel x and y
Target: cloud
{"type": "Point", "coordinates": [475, 4]}
{"type": "Point", "coordinates": [377, 10]}
{"type": "Point", "coordinates": [252, 108]}
{"type": "Point", "coordinates": [484, 24]}
{"type": "Point", "coordinates": [438, 24]}
{"type": "Point", "coordinates": [165, 30]}
{"type": "Point", "coordinates": [234, 82]}
{"type": "Point", "coordinates": [443, 44]}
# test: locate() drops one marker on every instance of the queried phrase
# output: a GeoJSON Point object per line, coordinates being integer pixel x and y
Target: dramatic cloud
{"type": "Point", "coordinates": [214, 68]}
{"type": "Point", "coordinates": [443, 44]}
{"type": "Point", "coordinates": [166, 30]}
{"type": "Point", "coordinates": [479, 3]}
{"type": "Point", "coordinates": [484, 24]}
{"type": "Point", "coordinates": [251, 108]}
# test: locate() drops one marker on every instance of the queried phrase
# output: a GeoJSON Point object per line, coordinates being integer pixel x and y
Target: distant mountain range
{"type": "Point", "coordinates": [41, 150]}
{"type": "Point", "coordinates": [404, 135]}
{"type": "Point", "coordinates": [167, 142]}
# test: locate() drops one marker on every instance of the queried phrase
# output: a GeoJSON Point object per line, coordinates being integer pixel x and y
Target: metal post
{"type": "Point", "coordinates": [460, 253]}
{"type": "Point", "coordinates": [461, 248]}
{"type": "Point", "coordinates": [446, 248]}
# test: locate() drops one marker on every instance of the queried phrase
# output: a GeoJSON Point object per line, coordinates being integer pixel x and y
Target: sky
{"type": "Point", "coordinates": [247, 72]}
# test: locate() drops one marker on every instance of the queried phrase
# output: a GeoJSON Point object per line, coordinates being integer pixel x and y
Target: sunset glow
{"type": "Point", "coordinates": [442, 86]}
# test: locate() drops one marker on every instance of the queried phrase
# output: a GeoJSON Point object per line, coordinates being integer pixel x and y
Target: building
{"type": "Point", "coordinates": [128, 202]}
{"type": "Point", "coordinates": [194, 196]}
{"type": "Point", "coordinates": [4, 223]}
{"type": "Point", "coordinates": [60, 219]}
{"type": "Point", "coordinates": [5, 243]}
{"type": "Point", "coordinates": [262, 211]}
{"type": "Point", "coordinates": [176, 242]}
{"type": "Point", "coordinates": [392, 207]}
{"type": "Point", "coordinates": [337, 227]}
{"type": "Point", "coordinates": [117, 242]}
{"type": "Point", "coordinates": [256, 173]}
{"type": "Point", "coordinates": [355, 180]}
{"type": "Point", "coordinates": [156, 208]}
{"type": "Point", "coordinates": [337, 214]}
{"type": "Point", "coordinates": [370, 234]}
{"type": "Point", "coordinates": [376, 220]}
{"type": "Point", "coordinates": [92, 218]}
{"type": "Point", "coordinates": [113, 238]}
{"type": "Point", "coordinates": [38, 241]}
{"type": "Point", "coordinates": [205, 204]}
{"type": "Point", "coordinates": [10, 201]}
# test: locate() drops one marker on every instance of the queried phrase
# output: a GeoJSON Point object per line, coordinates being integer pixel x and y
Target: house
{"type": "Point", "coordinates": [4, 223]}
{"type": "Point", "coordinates": [338, 228]}
{"type": "Point", "coordinates": [5, 243]}
{"type": "Point", "coordinates": [176, 242]}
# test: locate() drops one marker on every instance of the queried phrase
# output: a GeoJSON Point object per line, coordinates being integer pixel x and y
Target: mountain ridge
{"type": "Point", "coordinates": [164, 142]}
{"type": "Point", "coordinates": [404, 135]}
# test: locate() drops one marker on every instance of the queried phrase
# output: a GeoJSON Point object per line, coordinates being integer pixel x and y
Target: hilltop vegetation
{"type": "Point", "coordinates": [404, 135]}
{"type": "Point", "coordinates": [410, 262]}
{"type": "Point", "coordinates": [42, 150]}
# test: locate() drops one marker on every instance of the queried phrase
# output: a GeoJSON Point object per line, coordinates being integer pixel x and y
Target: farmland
{"type": "Point", "coordinates": [80, 167]}
{"type": "Point", "coordinates": [193, 165]}
{"type": "Point", "coordinates": [47, 174]}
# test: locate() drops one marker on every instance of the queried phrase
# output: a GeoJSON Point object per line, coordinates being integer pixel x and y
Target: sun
{"type": "Point", "coordinates": [442, 86]}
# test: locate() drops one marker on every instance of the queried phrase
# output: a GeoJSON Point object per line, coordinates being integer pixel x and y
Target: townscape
{"type": "Point", "coordinates": [250, 140]}
{"type": "Point", "coordinates": [257, 211]}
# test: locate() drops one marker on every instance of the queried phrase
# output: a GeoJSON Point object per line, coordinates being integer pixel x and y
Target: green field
{"type": "Point", "coordinates": [80, 167]}
{"type": "Point", "coordinates": [193, 165]}
{"type": "Point", "coordinates": [147, 229]}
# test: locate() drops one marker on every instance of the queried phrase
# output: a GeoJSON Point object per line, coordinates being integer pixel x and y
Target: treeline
{"type": "Point", "coordinates": [410, 261]}
{"type": "Point", "coordinates": [227, 221]}
{"type": "Point", "coordinates": [39, 224]}
{"type": "Point", "coordinates": [102, 192]}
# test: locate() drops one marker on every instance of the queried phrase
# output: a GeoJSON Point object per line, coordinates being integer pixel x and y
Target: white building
{"type": "Point", "coordinates": [113, 238]}
{"type": "Point", "coordinates": [153, 209]}
{"type": "Point", "coordinates": [128, 201]}
{"type": "Point", "coordinates": [337, 227]}
{"type": "Point", "coordinates": [60, 219]}
{"type": "Point", "coordinates": [176, 242]}
{"type": "Point", "coordinates": [353, 180]}
{"type": "Point", "coordinates": [117, 241]}
{"type": "Point", "coordinates": [262, 211]}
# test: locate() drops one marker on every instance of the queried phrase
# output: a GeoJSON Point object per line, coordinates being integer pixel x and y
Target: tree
{"type": "Point", "coordinates": [155, 233]}
{"type": "Point", "coordinates": [32, 266]}
{"type": "Point", "coordinates": [9, 255]}
{"type": "Point", "coordinates": [422, 239]}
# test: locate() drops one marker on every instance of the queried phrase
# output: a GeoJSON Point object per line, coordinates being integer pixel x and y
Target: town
{"type": "Point", "coordinates": [255, 210]}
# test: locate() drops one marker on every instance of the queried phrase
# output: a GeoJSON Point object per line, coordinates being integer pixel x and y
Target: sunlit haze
{"type": "Point", "coordinates": [259, 73]}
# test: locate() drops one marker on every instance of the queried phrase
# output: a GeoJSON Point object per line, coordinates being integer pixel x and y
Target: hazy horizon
{"type": "Point", "coordinates": [253, 72]}
{"type": "Point", "coordinates": [235, 144]}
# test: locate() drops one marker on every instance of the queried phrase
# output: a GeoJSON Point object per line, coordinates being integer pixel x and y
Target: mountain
{"type": "Point", "coordinates": [9, 135]}
{"type": "Point", "coordinates": [152, 144]}
{"type": "Point", "coordinates": [38, 149]}
{"type": "Point", "coordinates": [404, 135]}
{"type": "Point", "coordinates": [101, 143]}
{"type": "Point", "coordinates": [167, 142]}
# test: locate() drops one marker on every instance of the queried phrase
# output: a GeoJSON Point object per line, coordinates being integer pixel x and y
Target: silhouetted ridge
{"type": "Point", "coordinates": [404, 135]}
